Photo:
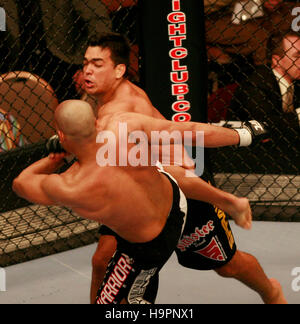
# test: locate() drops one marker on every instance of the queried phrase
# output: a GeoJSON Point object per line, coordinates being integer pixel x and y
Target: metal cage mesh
{"type": "Point", "coordinates": [42, 49]}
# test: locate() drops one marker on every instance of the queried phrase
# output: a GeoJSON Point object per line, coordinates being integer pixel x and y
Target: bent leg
{"type": "Point", "coordinates": [207, 243]}
{"type": "Point", "coordinates": [105, 250]}
{"type": "Point", "coordinates": [198, 189]}
{"type": "Point", "coordinates": [245, 268]}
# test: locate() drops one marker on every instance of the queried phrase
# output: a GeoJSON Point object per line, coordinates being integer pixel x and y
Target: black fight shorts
{"type": "Point", "coordinates": [132, 273]}
{"type": "Point", "coordinates": [207, 241]}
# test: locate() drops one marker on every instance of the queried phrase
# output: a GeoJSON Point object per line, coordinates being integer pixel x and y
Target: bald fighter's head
{"type": "Point", "coordinates": [75, 119]}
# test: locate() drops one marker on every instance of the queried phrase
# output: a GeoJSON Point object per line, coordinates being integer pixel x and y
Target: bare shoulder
{"type": "Point", "coordinates": [134, 99]}
{"type": "Point", "coordinates": [134, 121]}
{"type": "Point", "coordinates": [142, 103]}
{"type": "Point", "coordinates": [64, 189]}
{"type": "Point", "coordinates": [55, 187]}
{"type": "Point", "coordinates": [129, 98]}
{"type": "Point", "coordinates": [64, 185]}
{"type": "Point", "coordinates": [118, 117]}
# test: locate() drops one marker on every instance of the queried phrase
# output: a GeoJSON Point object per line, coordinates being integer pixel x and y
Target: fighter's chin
{"type": "Point", "coordinates": [91, 91]}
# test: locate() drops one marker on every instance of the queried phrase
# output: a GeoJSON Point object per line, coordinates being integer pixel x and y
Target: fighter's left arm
{"type": "Point", "coordinates": [214, 136]}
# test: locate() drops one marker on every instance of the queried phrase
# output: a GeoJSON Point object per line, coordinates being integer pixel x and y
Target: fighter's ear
{"type": "Point", "coordinates": [120, 70]}
{"type": "Point", "coordinates": [61, 136]}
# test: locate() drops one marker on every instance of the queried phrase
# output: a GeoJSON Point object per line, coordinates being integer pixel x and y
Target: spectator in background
{"type": "Point", "coordinates": [10, 132]}
{"type": "Point", "coordinates": [225, 38]}
{"type": "Point", "coordinates": [235, 49]}
{"type": "Point", "coordinates": [271, 94]}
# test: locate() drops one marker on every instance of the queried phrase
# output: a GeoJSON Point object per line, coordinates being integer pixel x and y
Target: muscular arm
{"type": "Point", "coordinates": [214, 136]}
{"type": "Point", "coordinates": [187, 162]}
{"type": "Point", "coordinates": [128, 108]}
{"type": "Point", "coordinates": [29, 184]}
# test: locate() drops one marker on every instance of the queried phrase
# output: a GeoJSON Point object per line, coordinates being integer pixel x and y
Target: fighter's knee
{"type": "Point", "coordinates": [226, 271]}
{"type": "Point", "coordinates": [237, 265]}
{"type": "Point", "coordinates": [105, 251]}
{"type": "Point", "coordinates": [230, 269]}
{"type": "Point", "coordinates": [100, 261]}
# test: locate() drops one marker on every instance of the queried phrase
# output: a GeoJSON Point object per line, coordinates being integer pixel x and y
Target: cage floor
{"type": "Point", "coordinates": [64, 278]}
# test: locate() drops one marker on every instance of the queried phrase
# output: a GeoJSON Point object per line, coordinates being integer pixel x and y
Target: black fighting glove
{"type": "Point", "coordinates": [250, 132]}
{"type": "Point", "coordinates": [53, 145]}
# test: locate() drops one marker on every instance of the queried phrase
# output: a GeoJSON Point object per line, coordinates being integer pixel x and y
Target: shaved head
{"type": "Point", "coordinates": [75, 118]}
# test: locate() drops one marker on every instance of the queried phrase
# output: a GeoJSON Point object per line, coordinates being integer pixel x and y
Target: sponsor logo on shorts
{"type": "Point", "coordinates": [187, 240]}
{"type": "Point", "coordinates": [222, 216]}
{"type": "Point", "coordinates": [139, 287]}
{"type": "Point", "coordinates": [115, 281]}
{"type": "Point", "coordinates": [213, 250]}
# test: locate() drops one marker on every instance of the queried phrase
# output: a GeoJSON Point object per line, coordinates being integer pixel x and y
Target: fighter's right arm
{"type": "Point", "coordinates": [29, 184]}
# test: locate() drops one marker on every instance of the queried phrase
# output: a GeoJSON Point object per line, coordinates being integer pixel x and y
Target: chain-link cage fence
{"type": "Point", "coordinates": [253, 52]}
{"type": "Point", "coordinates": [42, 49]}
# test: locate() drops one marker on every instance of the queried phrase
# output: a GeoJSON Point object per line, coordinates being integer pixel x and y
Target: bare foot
{"type": "Point", "coordinates": [241, 213]}
{"type": "Point", "coordinates": [278, 297]}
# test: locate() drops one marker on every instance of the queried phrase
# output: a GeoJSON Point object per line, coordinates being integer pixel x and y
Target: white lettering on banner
{"type": "Point", "coordinates": [180, 75]}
